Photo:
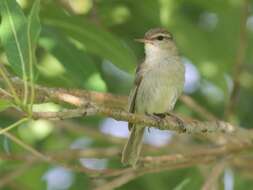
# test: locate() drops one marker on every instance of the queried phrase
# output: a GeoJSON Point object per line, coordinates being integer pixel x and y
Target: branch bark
{"type": "Point", "coordinates": [171, 162]}
{"type": "Point", "coordinates": [105, 104]}
{"type": "Point", "coordinates": [168, 123]}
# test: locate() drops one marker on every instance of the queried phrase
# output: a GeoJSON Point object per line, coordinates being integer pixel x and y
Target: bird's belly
{"type": "Point", "coordinates": [158, 92]}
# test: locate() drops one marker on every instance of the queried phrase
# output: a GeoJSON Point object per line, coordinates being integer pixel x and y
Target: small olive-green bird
{"type": "Point", "coordinates": [159, 81]}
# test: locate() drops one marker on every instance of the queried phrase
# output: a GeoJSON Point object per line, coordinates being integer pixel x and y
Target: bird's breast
{"type": "Point", "coordinates": [160, 87]}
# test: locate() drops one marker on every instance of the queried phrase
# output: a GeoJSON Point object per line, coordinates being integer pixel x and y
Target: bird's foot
{"type": "Point", "coordinates": [179, 121]}
{"type": "Point", "coordinates": [160, 115]}
{"type": "Point", "coordinates": [156, 116]}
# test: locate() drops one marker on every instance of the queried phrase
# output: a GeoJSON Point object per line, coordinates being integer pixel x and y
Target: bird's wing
{"type": "Point", "coordinates": [133, 94]}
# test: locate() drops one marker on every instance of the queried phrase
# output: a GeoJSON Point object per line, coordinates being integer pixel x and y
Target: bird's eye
{"type": "Point", "coordinates": [160, 38]}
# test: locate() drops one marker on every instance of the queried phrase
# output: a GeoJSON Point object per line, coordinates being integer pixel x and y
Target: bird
{"type": "Point", "coordinates": [159, 81]}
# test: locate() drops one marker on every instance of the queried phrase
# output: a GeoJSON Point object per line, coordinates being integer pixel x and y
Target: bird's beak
{"type": "Point", "coordinates": [143, 40]}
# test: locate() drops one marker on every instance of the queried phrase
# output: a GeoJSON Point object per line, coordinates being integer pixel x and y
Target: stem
{"type": "Point", "coordinates": [25, 90]}
{"type": "Point", "coordinates": [6, 93]}
{"type": "Point", "coordinates": [2, 131]}
{"type": "Point", "coordinates": [31, 52]}
{"type": "Point", "coordinates": [9, 84]}
{"type": "Point", "coordinates": [240, 61]}
{"type": "Point", "coordinates": [19, 51]}
{"type": "Point", "coordinates": [26, 147]}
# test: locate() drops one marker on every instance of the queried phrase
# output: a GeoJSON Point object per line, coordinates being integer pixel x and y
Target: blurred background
{"type": "Point", "coordinates": [89, 44]}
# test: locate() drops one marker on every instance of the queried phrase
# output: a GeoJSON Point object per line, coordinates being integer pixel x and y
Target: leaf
{"type": "Point", "coordinates": [95, 39]}
{"type": "Point", "coordinates": [4, 104]}
{"type": "Point", "coordinates": [19, 35]}
{"type": "Point", "coordinates": [34, 26]}
{"type": "Point", "coordinates": [34, 29]}
{"type": "Point", "coordinates": [13, 33]}
{"type": "Point", "coordinates": [79, 66]}
{"type": "Point", "coordinates": [6, 145]}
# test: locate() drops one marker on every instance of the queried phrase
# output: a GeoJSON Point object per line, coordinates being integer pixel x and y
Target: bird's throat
{"type": "Point", "coordinates": [155, 55]}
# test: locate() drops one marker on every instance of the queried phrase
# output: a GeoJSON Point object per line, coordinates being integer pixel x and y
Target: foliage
{"type": "Point", "coordinates": [90, 45]}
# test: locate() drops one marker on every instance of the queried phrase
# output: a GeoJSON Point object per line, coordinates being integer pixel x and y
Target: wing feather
{"type": "Point", "coordinates": [134, 91]}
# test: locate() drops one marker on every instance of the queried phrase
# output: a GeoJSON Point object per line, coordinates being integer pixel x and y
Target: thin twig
{"type": "Point", "coordinates": [170, 162]}
{"type": "Point", "coordinates": [214, 175]}
{"type": "Point", "coordinates": [9, 83]}
{"type": "Point", "coordinates": [2, 131]}
{"type": "Point", "coordinates": [6, 93]}
{"type": "Point", "coordinates": [27, 147]}
{"type": "Point", "coordinates": [240, 57]}
{"type": "Point", "coordinates": [68, 155]}
{"type": "Point", "coordinates": [49, 159]}
{"type": "Point", "coordinates": [204, 113]}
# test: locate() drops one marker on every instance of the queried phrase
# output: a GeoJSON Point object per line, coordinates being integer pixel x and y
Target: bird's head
{"type": "Point", "coordinates": [157, 40]}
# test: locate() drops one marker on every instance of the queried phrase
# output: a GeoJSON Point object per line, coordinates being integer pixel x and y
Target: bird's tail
{"type": "Point", "coordinates": [132, 149]}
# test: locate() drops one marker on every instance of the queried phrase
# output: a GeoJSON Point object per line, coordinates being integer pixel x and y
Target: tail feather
{"type": "Point", "coordinates": [132, 149]}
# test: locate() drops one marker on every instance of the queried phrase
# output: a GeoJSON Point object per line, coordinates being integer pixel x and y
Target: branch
{"type": "Point", "coordinates": [240, 57]}
{"type": "Point", "coordinates": [214, 175]}
{"type": "Point", "coordinates": [171, 162]}
{"type": "Point", "coordinates": [94, 103]}
{"type": "Point", "coordinates": [194, 106]}
{"type": "Point", "coordinates": [66, 155]}
{"type": "Point", "coordinates": [49, 159]}
{"type": "Point", "coordinates": [168, 123]}
{"type": "Point", "coordinates": [78, 98]}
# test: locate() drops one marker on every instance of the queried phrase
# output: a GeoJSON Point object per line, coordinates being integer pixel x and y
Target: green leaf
{"type": "Point", "coordinates": [78, 65]}
{"type": "Point", "coordinates": [13, 33]}
{"type": "Point", "coordinates": [95, 39]}
{"type": "Point", "coordinates": [4, 104]}
{"type": "Point", "coordinates": [34, 26]}
{"type": "Point", "coordinates": [34, 29]}
{"type": "Point", "coordinates": [19, 35]}
{"type": "Point", "coordinates": [6, 145]}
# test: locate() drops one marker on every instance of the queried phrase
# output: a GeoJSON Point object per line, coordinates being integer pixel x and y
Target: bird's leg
{"type": "Point", "coordinates": [157, 116]}
{"type": "Point", "coordinates": [160, 115]}
{"type": "Point", "coordinates": [146, 113]}
{"type": "Point", "coordinates": [178, 120]}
